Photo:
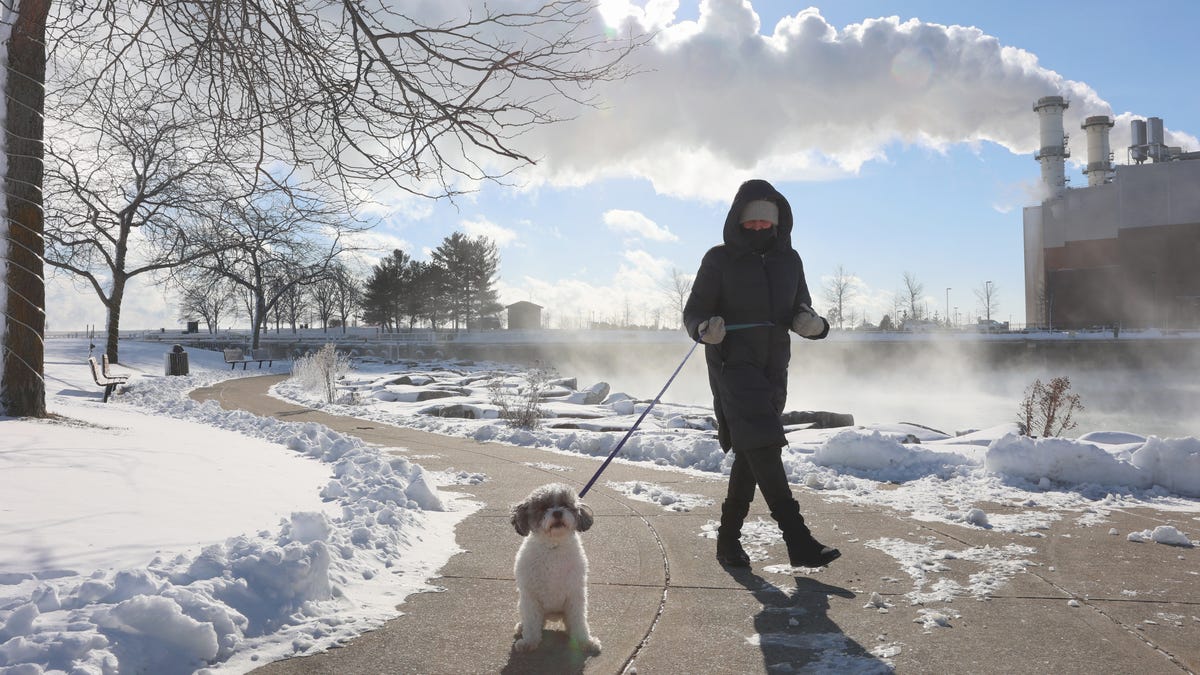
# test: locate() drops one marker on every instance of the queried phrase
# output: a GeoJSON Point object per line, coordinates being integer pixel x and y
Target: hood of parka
{"type": "Point", "coordinates": [735, 235]}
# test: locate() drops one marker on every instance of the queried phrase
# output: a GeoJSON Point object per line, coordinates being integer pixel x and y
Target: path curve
{"type": "Point", "coordinates": [1086, 602]}
{"type": "Point", "coordinates": [639, 591]}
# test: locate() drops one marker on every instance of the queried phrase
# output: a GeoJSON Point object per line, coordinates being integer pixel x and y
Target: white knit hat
{"type": "Point", "coordinates": [760, 209]}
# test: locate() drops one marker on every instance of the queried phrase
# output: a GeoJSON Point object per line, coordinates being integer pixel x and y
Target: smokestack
{"type": "Point", "coordinates": [1053, 153]}
{"type": "Point", "coordinates": [1137, 131]}
{"type": "Point", "coordinates": [1099, 166]}
{"type": "Point", "coordinates": [1158, 148]}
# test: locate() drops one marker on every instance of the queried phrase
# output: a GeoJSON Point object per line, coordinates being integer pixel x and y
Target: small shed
{"type": "Point", "coordinates": [524, 316]}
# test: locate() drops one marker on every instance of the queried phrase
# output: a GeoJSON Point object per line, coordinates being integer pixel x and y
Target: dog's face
{"type": "Point", "coordinates": [551, 510]}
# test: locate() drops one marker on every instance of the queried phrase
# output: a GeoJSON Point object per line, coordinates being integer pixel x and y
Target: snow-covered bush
{"type": "Point", "coordinates": [319, 372]}
{"type": "Point", "coordinates": [518, 400]}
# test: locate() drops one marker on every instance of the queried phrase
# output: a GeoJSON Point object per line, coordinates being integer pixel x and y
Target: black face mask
{"type": "Point", "coordinates": [760, 240]}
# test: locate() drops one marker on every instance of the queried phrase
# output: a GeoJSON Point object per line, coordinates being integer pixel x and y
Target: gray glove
{"type": "Point", "coordinates": [712, 331]}
{"type": "Point", "coordinates": [806, 323]}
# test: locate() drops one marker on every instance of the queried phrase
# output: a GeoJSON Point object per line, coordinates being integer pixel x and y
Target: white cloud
{"type": "Point", "coordinates": [633, 294]}
{"type": "Point", "coordinates": [635, 224]}
{"type": "Point", "coordinates": [654, 15]}
{"type": "Point", "coordinates": [72, 306]}
{"type": "Point", "coordinates": [482, 227]}
{"type": "Point", "coordinates": [717, 100]}
{"type": "Point", "coordinates": [371, 246]}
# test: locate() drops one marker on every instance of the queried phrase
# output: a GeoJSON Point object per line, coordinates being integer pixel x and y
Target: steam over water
{"type": "Point", "coordinates": [1147, 386]}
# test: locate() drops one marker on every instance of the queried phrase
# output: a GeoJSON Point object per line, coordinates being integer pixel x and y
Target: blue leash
{"type": "Point", "coordinates": [653, 403]}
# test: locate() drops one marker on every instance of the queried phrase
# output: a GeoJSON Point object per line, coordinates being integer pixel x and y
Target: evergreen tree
{"type": "Point", "coordinates": [383, 297]}
{"type": "Point", "coordinates": [468, 287]}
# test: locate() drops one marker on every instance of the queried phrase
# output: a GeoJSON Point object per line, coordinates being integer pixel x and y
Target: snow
{"type": "Point", "coordinates": [158, 534]}
{"type": "Point", "coordinates": [671, 500]}
{"type": "Point", "coordinates": [1163, 534]}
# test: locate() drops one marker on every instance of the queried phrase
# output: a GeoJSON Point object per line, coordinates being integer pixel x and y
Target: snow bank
{"type": "Point", "coordinates": [1173, 464]}
{"type": "Point", "coordinates": [884, 457]}
{"type": "Point", "coordinates": [1061, 460]}
{"type": "Point", "coordinates": [316, 579]}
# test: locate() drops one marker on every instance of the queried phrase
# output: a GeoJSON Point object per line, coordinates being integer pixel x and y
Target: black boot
{"type": "Point", "coordinates": [803, 549]}
{"type": "Point", "coordinates": [729, 544]}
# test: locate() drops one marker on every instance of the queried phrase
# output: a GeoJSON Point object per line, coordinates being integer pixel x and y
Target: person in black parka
{"type": "Point", "coordinates": [747, 294]}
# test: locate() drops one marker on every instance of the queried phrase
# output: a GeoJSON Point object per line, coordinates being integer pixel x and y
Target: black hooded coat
{"type": "Point", "coordinates": [747, 371]}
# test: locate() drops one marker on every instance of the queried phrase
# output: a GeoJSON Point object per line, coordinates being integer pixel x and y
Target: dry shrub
{"type": "Point", "coordinates": [319, 372]}
{"type": "Point", "coordinates": [1049, 409]}
{"type": "Point", "coordinates": [518, 404]}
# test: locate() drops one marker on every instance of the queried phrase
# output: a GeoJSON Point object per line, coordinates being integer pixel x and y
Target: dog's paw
{"type": "Point", "coordinates": [592, 646]}
{"type": "Point", "coordinates": [517, 630]}
{"type": "Point", "coordinates": [526, 645]}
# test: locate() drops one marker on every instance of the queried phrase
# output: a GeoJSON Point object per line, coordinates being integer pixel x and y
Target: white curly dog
{"type": "Point", "coordinates": [551, 567]}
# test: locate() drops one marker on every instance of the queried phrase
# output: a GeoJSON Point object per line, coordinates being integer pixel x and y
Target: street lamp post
{"type": "Point", "coordinates": [947, 306]}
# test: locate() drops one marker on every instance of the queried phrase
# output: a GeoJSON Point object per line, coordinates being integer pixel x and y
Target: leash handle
{"type": "Point", "coordinates": [740, 326]}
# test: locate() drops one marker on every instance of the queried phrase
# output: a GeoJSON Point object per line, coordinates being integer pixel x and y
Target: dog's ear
{"type": "Point", "coordinates": [583, 517]}
{"type": "Point", "coordinates": [520, 518]}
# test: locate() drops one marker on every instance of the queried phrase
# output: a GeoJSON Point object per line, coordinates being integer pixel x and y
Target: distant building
{"type": "Point", "coordinates": [1123, 250]}
{"type": "Point", "coordinates": [524, 316]}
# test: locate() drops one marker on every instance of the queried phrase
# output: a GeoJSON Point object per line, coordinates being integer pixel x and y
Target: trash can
{"type": "Point", "coordinates": [177, 361]}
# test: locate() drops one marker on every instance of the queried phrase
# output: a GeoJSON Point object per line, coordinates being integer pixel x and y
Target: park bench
{"type": "Point", "coordinates": [104, 378]}
{"type": "Point", "coordinates": [235, 356]}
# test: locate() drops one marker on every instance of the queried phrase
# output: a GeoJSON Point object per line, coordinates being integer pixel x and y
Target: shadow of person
{"type": "Point", "coordinates": [794, 630]}
{"type": "Point", "coordinates": [556, 654]}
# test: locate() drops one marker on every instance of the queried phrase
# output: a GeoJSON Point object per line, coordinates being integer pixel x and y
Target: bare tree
{"type": "Point", "coordinates": [988, 300]}
{"type": "Point", "coordinates": [913, 290]}
{"type": "Point", "coordinates": [324, 296]}
{"type": "Point", "coordinates": [128, 186]}
{"type": "Point", "coordinates": [897, 309]}
{"type": "Point", "coordinates": [360, 91]}
{"type": "Point", "coordinates": [677, 287]}
{"type": "Point", "coordinates": [345, 92]}
{"type": "Point", "coordinates": [289, 307]}
{"type": "Point", "coordinates": [273, 244]}
{"type": "Point", "coordinates": [839, 291]}
{"type": "Point", "coordinates": [347, 294]}
{"type": "Point", "coordinates": [201, 296]}
{"type": "Point", "coordinates": [336, 296]}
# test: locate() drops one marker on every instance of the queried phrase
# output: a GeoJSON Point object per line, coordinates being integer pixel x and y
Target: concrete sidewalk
{"type": "Point", "coordinates": [1091, 603]}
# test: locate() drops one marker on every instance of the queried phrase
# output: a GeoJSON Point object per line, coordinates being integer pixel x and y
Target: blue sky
{"type": "Point", "coordinates": [905, 147]}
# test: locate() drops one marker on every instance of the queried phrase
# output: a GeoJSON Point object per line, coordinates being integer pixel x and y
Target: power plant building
{"type": "Point", "coordinates": [1123, 251]}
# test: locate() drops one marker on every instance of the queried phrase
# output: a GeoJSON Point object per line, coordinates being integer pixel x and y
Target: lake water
{"type": "Point", "coordinates": [1148, 387]}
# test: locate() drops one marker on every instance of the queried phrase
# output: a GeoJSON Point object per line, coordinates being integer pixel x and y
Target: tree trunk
{"type": "Point", "coordinates": [22, 390]}
{"type": "Point", "coordinates": [260, 313]}
{"type": "Point", "coordinates": [115, 297]}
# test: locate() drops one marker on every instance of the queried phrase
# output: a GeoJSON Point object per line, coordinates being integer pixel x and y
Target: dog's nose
{"type": "Point", "coordinates": [558, 515]}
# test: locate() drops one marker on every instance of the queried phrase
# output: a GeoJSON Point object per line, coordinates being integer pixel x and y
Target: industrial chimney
{"type": "Point", "coordinates": [1137, 132]}
{"type": "Point", "coordinates": [1157, 146]}
{"type": "Point", "coordinates": [1053, 153]}
{"type": "Point", "coordinates": [1099, 166]}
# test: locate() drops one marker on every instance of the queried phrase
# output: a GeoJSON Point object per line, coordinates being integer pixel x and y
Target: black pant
{"type": "Point", "coordinates": [761, 467]}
